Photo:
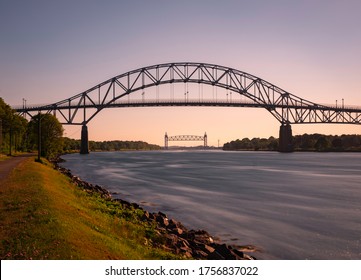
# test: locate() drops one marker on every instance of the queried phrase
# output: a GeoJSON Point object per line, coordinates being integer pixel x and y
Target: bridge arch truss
{"type": "Point", "coordinates": [284, 106]}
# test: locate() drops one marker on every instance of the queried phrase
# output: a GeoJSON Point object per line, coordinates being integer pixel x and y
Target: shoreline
{"type": "Point", "coordinates": [193, 244]}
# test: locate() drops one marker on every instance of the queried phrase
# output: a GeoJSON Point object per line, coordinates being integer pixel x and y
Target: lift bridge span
{"type": "Point", "coordinates": [185, 138]}
{"type": "Point", "coordinates": [287, 108]}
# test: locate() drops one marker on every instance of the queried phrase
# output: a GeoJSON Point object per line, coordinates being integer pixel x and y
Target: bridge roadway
{"type": "Point", "coordinates": [343, 112]}
{"type": "Point", "coordinates": [142, 103]}
{"type": "Point", "coordinates": [287, 108]}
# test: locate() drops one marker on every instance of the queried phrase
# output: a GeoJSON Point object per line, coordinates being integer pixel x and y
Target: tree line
{"type": "Point", "coordinates": [71, 145]}
{"type": "Point", "coordinates": [13, 128]}
{"type": "Point", "coordinates": [327, 143]}
{"type": "Point", "coordinates": [306, 142]}
{"type": "Point", "coordinates": [254, 144]}
{"type": "Point", "coordinates": [19, 135]}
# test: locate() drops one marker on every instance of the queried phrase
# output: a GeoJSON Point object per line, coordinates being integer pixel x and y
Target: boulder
{"type": "Point", "coordinates": [199, 254]}
{"type": "Point", "coordinates": [177, 231]}
{"type": "Point", "coordinates": [208, 249]}
{"type": "Point", "coordinates": [145, 216]}
{"type": "Point", "coordinates": [162, 214]}
{"type": "Point", "coordinates": [162, 220]}
{"type": "Point", "coordinates": [224, 252]}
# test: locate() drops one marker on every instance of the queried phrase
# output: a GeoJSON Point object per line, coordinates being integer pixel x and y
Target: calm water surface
{"type": "Point", "coordinates": [291, 206]}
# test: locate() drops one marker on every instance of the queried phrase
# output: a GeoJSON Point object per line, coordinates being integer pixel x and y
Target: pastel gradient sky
{"type": "Point", "coordinates": [51, 50]}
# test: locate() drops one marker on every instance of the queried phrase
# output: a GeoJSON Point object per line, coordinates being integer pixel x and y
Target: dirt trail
{"type": "Point", "coordinates": [7, 166]}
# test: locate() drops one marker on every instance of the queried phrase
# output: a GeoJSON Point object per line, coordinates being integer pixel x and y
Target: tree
{"type": "Point", "coordinates": [272, 144]}
{"type": "Point", "coordinates": [51, 135]}
{"type": "Point", "coordinates": [255, 142]}
{"type": "Point", "coordinates": [322, 144]}
{"type": "Point", "coordinates": [351, 142]}
{"type": "Point", "coordinates": [12, 129]}
{"type": "Point", "coordinates": [70, 145]}
{"type": "Point", "coordinates": [337, 143]}
{"type": "Point", "coordinates": [308, 141]}
{"type": "Point", "coordinates": [246, 144]}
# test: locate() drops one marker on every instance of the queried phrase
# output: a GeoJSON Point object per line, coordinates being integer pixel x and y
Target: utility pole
{"type": "Point", "coordinates": [11, 135]}
{"type": "Point", "coordinates": [10, 140]}
{"type": "Point", "coordinates": [39, 137]}
{"type": "Point", "coordinates": [1, 132]}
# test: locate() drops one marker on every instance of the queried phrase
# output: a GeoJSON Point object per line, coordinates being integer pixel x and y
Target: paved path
{"type": "Point", "coordinates": [8, 165]}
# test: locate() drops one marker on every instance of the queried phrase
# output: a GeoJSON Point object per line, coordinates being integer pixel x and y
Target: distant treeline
{"type": "Point", "coordinates": [305, 142]}
{"type": "Point", "coordinates": [264, 144]}
{"type": "Point", "coordinates": [74, 145]}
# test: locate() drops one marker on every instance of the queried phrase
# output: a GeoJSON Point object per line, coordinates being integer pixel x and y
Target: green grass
{"type": "Point", "coordinates": [44, 216]}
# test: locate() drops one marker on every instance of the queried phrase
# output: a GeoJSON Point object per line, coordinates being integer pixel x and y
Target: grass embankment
{"type": "Point", "coordinates": [44, 216]}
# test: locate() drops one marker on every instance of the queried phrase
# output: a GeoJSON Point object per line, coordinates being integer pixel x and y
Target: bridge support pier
{"type": "Point", "coordinates": [84, 143]}
{"type": "Point", "coordinates": [285, 139]}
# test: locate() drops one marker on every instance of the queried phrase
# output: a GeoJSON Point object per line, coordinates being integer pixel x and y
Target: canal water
{"type": "Point", "coordinates": [290, 206]}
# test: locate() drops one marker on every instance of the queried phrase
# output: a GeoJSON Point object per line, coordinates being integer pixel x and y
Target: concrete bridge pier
{"type": "Point", "coordinates": [285, 139]}
{"type": "Point", "coordinates": [84, 143]}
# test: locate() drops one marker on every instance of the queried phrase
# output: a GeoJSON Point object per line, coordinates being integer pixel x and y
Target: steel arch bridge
{"type": "Point", "coordinates": [285, 107]}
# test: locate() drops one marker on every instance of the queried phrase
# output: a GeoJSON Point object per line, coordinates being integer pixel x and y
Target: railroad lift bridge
{"type": "Point", "coordinates": [185, 138]}
{"type": "Point", "coordinates": [287, 108]}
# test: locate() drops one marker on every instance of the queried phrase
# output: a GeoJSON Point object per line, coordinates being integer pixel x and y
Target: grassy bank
{"type": "Point", "coordinates": [44, 216]}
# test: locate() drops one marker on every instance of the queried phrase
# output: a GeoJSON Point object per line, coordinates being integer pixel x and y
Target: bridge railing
{"type": "Point", "coordinates": [124, 102]}
{"type": "Point", "coordinates": [30, 107]}
{"type": "Point", "coordinates": [180, 100]}
{"type": "Point", "coordinates": [341, 107]}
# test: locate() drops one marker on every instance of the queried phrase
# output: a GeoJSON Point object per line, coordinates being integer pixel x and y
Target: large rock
{"type": "Point", "coordinates": [224, 252]}
{"type": "Point", "coordinates": [162, 219]}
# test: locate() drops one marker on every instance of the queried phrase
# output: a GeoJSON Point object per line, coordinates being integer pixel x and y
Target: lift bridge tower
{"type": "Point", "coordinates": [185, 138]}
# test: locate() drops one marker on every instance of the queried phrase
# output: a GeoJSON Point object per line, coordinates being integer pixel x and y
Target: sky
{"type": "Point", "coordinates": [52, 50]}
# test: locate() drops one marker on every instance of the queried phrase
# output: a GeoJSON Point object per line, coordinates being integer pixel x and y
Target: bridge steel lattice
{"type": "Point", "coordinates": [185, 138]}
{"type": "Point", "coordinates": [287, 108]}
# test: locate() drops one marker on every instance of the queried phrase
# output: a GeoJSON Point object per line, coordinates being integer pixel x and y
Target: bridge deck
{"type": "Point", "coordinates": [178, 102]}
